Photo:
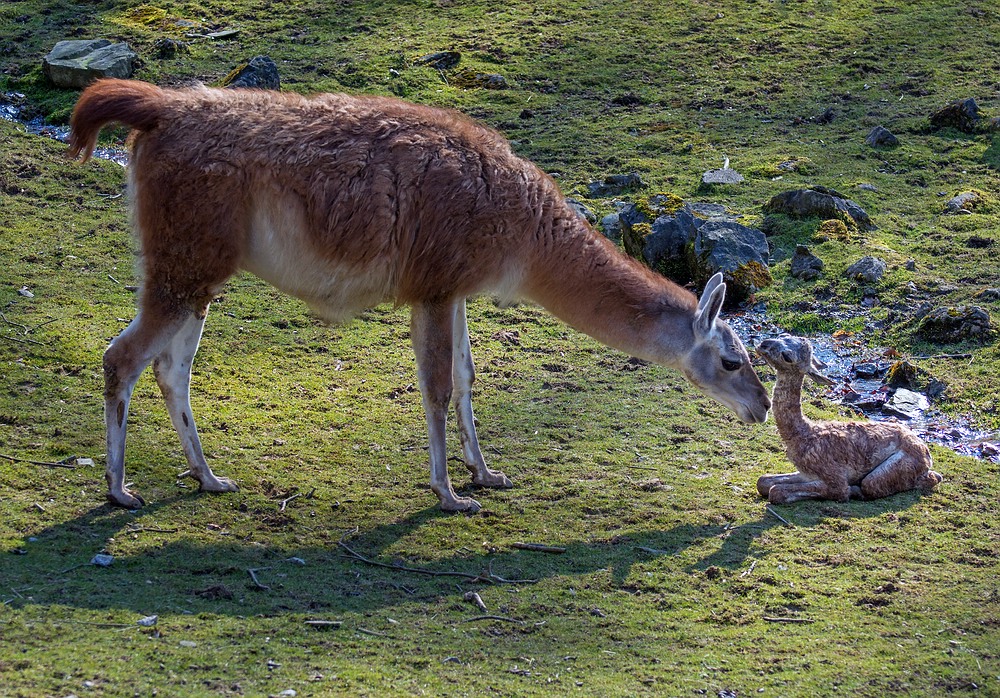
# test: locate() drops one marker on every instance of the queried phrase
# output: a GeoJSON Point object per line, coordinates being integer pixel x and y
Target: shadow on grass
{"type": "Point", "coordinates": [183, 576]}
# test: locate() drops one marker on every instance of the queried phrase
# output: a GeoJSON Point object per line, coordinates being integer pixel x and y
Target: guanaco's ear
{"type": "Point", "coordinates": [816, 373]}
{"type": "Point", "coordinates": [709, 305]}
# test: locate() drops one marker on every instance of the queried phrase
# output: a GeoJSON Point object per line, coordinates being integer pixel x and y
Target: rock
{"type": "Point", "coordinates": [678, 241]}
{"type": "Point", "coordinates": [865, 186]}
{"type": "Point", "coordinates": [818, 202]}
{"type": "Point", "coordinates": [259, 73]}
{"type": "Point", "coordinates": [611, 226]}
{"type": "Point", "coordinates": [905, 404]}
{"type": "Point", "coordinates": [866, 370]}
{"type": "Point", "coordinates": [613, 185]}
{"type": "Point", "coordinates": [990, 294]}
{"type": "Point", "coordinates": [169, 48]}
{"type": "Point", "coordinates": [911, 265]}
{"type": "Point", "coordinates": [805, 265]}
{"type": "Point", "coordinates": [147, 621]}
{"type": "Point", "coordinates": [724, 175]}
{"type": "Point", "coordinates": [867, 269]}
{"type": "Point", "coordinates": [102, 560]}
{"type": "Point", "coordinates": [964, 203]}
{"type": "Point", "coordinates": [469, 78]}
{"type": "Point", "coordinates": [946, 325]}
{"type": "Point", "coordinates": [582, 211]}
{"type": "Point", "coordinates": [442, 60]}
{"type": "Point", "coordinates": [881, 137]}
{"type": "Point", "coordinates": [962, 114]}
{"type": "Point", "coordinates": [75, 64]}
{"type": "Point", "coordinates": [738, 251]}
{"type": "Point", "coordinates": [833, 229]}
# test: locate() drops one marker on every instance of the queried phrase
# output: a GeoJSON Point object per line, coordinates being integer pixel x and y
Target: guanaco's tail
{"type": "Point", "coordinates": [130, 102]}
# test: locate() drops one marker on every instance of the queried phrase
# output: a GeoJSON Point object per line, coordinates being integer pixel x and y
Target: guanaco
{"type": "Point", "coordinates": [350, 201]}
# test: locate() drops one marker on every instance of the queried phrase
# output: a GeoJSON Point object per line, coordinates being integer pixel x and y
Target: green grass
{"type": "Point", "coordinates": [610, 460]}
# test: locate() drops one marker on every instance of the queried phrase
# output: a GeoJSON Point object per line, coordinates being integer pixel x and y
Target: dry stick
{"type": "Point", "coordinates": [150, 529]}
{"type": "Point", "coordinates": [476, 599]}
{"type": "Point", "coordinates": [538, 547]}
{"type": "Point", "coordinates": [253, 576]}
{"type": "Point", "coordinates": [22, 340]}
{"type": "Point", "coordinates": [944, 356]}
{"type": "Point", "coordinates": [47, 464]}
{"type": "Point", "coordinates": [652, 551]}
{"type": "Point", "coordinates": [772, 619]}
{"type": "Point", "coordinates": [503, 618]}
{"type": "Point", "coordinates": [778, 516]}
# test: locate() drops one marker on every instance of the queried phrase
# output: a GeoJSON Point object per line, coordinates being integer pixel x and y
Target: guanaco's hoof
{"type": "Point", "coordinates": [126, 500]}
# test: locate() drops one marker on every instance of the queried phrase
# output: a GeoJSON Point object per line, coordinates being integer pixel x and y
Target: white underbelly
{"type": "Point", "coordinates": [280, 252]}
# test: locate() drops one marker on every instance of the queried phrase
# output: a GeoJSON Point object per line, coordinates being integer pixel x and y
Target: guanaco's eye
{"type": "Point", "coordinates": [731, 365]}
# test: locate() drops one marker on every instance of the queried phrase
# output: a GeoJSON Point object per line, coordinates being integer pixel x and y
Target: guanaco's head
{"type": "Point", "coordinates": [787, 354]}
{"type": "Point", "coordinates": [718, 363]}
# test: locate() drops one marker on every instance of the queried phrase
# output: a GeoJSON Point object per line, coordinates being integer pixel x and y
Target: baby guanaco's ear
{"type": "Point", "coordinates": [816, 373]}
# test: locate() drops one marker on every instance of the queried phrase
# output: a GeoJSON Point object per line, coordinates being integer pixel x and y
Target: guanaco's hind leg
{"type": "Point", "coordinates": [147, 336]}
{"type": "Point", "coordinates": [172, 368]}
{"type": "Point", "coordinates": [464, 374]}
{"type": "Point", "coordinates": [899, 472]}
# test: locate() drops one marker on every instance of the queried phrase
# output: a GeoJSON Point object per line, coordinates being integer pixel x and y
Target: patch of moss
{"type": "Point", "coordinates": [834, 229]}
{"type": "Point", "coordinates": [659, 204]}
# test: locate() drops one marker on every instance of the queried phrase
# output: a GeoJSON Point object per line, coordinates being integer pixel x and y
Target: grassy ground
{"type": "Point", "coordinates": [675, 579]}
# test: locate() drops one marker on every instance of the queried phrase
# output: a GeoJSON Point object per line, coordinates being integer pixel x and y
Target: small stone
{"type": "Point", "coordinates": [612, 185]}
{"type": "Point", "coordinates": [148, 621]}
{"type": "Point", "coordinates": [102, 560]}
{"type": "Point", "coordinates": [296, 561]}
{"type": "Point", "coordinates": [442, 60]}
{"type": "Point", "coordinates": [75, 64]}
{"type": "Point", "coordinates": [805, 265]}
{"type": "Point", "coordinates": [990, 294]}
{"type": "Point", "coordinates": [911, 265]}
{"type": "Point", "coordinates": [260, 72]}
{"type": "Point", "coordinates": [881, 137]}
{"type": "Point", "coordinates": [867, 269]}
{"type": "Point", "coordinates": [962, 115]}
{"type": "Point", "coordinates": [582, 211]}
{"type": "Point", "coordinates": [866, 370]}
{"type": "Point", "coordinates": [864, 186]}
{"type": "Point", "coordinates": [724, 175]}
{"type": "Point", "coordinates": [187, 643]}
{"type": "Point", "coordinates": [23, 291]}
{"type": "Point", "coordinates": [906, 404]}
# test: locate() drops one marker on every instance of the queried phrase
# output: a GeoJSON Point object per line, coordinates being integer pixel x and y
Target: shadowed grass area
{"type": "Point", "coordinates": [676, 580]}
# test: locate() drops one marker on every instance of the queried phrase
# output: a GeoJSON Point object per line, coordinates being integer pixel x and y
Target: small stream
{"type": "Point", "coordinates": [10, 110]}
{"type": "Point", "coordinates": [857, 369]}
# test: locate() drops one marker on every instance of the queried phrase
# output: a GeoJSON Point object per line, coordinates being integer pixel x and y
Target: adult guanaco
{"type": "Point", "coordinates": [350, 201]}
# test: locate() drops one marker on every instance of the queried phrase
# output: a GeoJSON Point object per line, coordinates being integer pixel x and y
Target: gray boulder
{"type": "Point", "coordinates": [76, 64]}
{"type": "Point", "coordinates": [806, 265]}
{"type": "Point", "coordinates": [881, 137]}
{"type": "Point", "coordinates": [724, 175]}
{"type": "Point", "coordinates": [582, 211]}
{"type": "Point", "coordinates": [693, 242]}
{"type": "Point", "coordinates": [947, 325]}
{"type": "Point", "coordinates": [867, 269]}
{"type": "Point", "coordinates": [964, 203]}
{"type": "Point", "coordinates": [818, 202]}
{"type": "Point", "coordinates": [260, 73]}
{"type": "Point", "coordinates": [906, 404]}
{"type": "Point", "coordinates": [613, 185]}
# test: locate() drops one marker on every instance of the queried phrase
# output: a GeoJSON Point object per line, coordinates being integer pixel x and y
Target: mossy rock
{"type": "Point", "coordinates": [950, 324]}
{"type": "Point", "coordinates": [834, 229]}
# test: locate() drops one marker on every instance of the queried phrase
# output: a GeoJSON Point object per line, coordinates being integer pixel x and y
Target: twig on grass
{"type": "Point", "coordinates": [652, 551]}
{"type": "Point", "coordinates": [253, 576]}
{"type": "Point", "coordinates": [309, 495]}
{"type": "Point", "coordinates": [372, 632]}
{"type": "Point", "coordinates": [488, 577]}
{"type": "Point", "coordinates": [149, 529]}
{"type": "Point", "coordinates": [773, 619]}
{"type": "Point", "coordinates": [942, 356]}
{"type": "Point", "coordinates": [69, 464]}
{"type": "Point", "coordinates": [503, 618]}
{"type": "Point", "coordinates": [23, 340]}
{"type": "Point", "coordinates": [476, 599]}
{"type": "Point", "coordinates": [778, 516]}
{"type": "Point", "coordinates": [538, 547]}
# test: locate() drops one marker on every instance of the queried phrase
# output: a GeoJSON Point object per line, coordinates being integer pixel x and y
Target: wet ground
{"type": "Point", "coordinates": [860, 371]}
{"type": "Point", "coordinates": [10, 110]}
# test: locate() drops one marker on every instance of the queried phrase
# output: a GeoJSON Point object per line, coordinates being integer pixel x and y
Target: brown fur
{"type": "Point", "coordinates": [347, 202]}
{"type": "Point", "coordinates": [836, 460]}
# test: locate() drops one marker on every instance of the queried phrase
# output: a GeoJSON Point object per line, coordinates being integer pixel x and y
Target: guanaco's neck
{"type": "Point", "coordinates": [786, 405]}
{"type": "Point", "coordinates": [581, 278]}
